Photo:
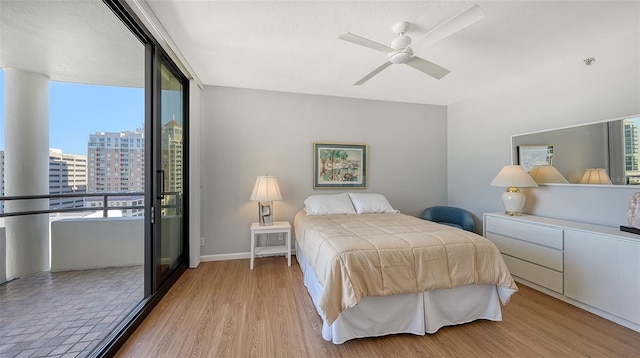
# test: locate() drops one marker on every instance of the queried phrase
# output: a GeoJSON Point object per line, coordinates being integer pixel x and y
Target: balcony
{"type": "Point", "coordinates": [96, 279]}
{"type": "Point", "coordinates": [67, 313]}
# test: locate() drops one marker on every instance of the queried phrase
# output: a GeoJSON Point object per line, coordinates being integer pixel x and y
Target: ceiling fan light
{"type": "Point", "coordinates": [401, 42]}
{"type": "Point", "coordinates": [400, 57]}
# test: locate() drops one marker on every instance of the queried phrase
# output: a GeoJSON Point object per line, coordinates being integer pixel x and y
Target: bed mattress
{"type": "Point", "coordinates": [374, 255]}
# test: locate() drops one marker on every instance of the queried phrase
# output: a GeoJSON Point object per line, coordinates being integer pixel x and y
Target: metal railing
{"type": "Point", "coordinates": [105, 203]}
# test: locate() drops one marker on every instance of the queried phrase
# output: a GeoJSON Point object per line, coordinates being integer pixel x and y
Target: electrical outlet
{"type": "Point", "coordinates": [202, 242]}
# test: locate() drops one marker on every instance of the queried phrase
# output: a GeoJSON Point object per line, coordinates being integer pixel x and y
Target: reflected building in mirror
{"type": "Point", "coordinates": [631, 152]}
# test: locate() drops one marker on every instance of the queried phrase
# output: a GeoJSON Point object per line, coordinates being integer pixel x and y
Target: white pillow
{"type": "Point", "coordinates": [328, 204]}
{"type": "Point", "coordinates": [371, 203]}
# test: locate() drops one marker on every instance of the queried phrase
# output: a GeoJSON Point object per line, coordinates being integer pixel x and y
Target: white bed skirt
{"type": "Point", "coordinates": [416, 313]}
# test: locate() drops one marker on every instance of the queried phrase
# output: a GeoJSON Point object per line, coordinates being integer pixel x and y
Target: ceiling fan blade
{"type": "Point", "coordinates": [373, 73]}
{"type": "Point", "coordinates": [427, 67]}
{"type": "Point", "coordinates": [455, 24]}
{"type": "Point", "coordinates": [353, 38]}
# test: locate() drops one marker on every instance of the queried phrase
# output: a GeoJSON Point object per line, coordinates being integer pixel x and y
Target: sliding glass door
{"type": "Point", "coordinates": [170, 171]}
{"type": "Point", "coordinates": [165, 176]}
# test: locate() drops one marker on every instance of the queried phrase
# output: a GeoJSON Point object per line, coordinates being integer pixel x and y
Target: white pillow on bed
{"type": "Point", "coordinates": [328, 205]}
{"type": "Point", "coordinates": [371, 203]}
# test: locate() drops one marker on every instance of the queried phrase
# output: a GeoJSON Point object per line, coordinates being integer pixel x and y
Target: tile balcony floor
{"type": "Point", "coordinates": [65, 314]}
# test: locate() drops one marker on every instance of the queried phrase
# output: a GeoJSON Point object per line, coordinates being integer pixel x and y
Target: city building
{"type": "Point", "coordinates": [67, 175]}
{"type": "Point", "coordinates": [97, 203]}
{"type": "Point", "coordinates": [116, 165]}
{"type": "Point", "coordinates": [172, 165]}
{"type": "Point", "coordinates": [631, 152]}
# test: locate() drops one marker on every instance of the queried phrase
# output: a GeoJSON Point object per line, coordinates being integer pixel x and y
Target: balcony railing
{"type": "Point", "coordinates": [105, 203]}
{"type": "Point", "coordinates": [175, 204]}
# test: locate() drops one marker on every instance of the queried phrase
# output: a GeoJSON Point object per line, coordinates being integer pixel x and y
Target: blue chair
{"type": "Point", "coordinates": [449, 215]}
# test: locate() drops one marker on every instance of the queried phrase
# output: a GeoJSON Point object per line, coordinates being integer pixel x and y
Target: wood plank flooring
{"type": "Point", "coordinates": [223, 309]}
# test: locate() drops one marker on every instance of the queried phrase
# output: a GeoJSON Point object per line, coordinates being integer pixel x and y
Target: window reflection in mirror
{"type": "Point", "coordinates": [613, 145]}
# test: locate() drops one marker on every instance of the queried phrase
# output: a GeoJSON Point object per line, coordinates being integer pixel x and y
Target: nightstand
{"type": "Point", "coordinates": [278, 227]}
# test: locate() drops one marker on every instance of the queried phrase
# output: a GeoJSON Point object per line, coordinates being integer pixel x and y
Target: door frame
{"type": "Point", "coordinates": [153, 291]}
{"type": "Point", "coordinates": [153, 152]}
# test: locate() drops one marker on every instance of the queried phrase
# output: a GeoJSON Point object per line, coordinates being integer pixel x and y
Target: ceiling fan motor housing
{"type": "Point", "coordinates": [400, 42]}
{"type": "Point", "coordinates": [401, 56]}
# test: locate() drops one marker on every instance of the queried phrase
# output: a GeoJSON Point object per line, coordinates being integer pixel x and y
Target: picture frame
{"type": "Point", "coordinates": [339, 165]}
{"type": "Point", "coordinates": [531, 155]}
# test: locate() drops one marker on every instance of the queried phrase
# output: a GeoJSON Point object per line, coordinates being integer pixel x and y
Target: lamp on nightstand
{"type": "Point", "coordinates": [512, 177]}
{"type": "Point", "coordinates": [265, 191]}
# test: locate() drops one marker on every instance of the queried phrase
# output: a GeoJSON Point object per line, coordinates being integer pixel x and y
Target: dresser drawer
{"type": "Point", "coordinates": [538, 234]}
{"type": "Point", "coordinates": [539, 275]}
{"type": "Point", "coordinates": [527, 251]}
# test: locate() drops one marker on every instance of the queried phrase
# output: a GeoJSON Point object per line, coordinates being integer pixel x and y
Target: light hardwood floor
{"type": "Point", "coordinates": [223, 309]}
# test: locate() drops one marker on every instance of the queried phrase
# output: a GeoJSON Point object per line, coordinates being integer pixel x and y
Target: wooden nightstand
{"type": "Point", "coordinates": [278, 227]}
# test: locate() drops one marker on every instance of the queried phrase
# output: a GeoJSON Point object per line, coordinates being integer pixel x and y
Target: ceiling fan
{"type": "Point", "coordinates": [401, 47]}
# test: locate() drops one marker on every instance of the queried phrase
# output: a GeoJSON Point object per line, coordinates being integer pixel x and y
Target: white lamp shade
{"type": "Point", "coordinates": [513, 176]}
{"type": "Point", "coordinates": [266, 189]}
{"type": "Point", "coordinates": [547, 174]}
{"type": "Point", "coordinates": [595, 176]}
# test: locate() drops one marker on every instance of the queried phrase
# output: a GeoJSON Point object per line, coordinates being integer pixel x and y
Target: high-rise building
{"type": "Point", "coordinates": [172, 165]}
{"type": "Point", "coordinates": [631, 154]}
{"type": "Point", "coordinates": [172, 155]}
{"type": "Point", "coordinates": [116, 162]}
{"type": "Point", "coordinates": [116, 165]}
{"type": "Point", "coordinates": [67, 175]}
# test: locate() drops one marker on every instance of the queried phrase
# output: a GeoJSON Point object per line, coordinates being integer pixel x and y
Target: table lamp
{"type": "Point", "coordinates": [595, 176]}
{"type": "Point", "coordinates": [513, 177]}
{"type": "Point", "coordinates": [265, 191]}
{"type": "Point", "coordinates": [547, 174]}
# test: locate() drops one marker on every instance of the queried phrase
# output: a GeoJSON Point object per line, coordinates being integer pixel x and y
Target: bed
{"type": "Point", "coordinates": [372, 271]}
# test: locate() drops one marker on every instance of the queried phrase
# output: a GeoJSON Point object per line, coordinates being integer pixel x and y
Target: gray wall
{"type": "Point", "coordinates": [246, 133]}
{"type": "Point", "coordinates": [565, 92]}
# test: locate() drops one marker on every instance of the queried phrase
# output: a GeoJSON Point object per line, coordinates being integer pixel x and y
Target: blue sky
{"type": "Point", "coordinates": [77, 110]}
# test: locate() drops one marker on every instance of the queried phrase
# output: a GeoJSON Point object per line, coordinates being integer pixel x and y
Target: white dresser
{"type": "Point", "coordinates": [593, 267]}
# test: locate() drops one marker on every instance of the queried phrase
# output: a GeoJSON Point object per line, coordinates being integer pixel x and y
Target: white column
{"type": "Point", "coordinates": [26, 139]}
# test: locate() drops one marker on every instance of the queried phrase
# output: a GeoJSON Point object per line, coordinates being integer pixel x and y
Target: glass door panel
{"type": "Point", "coordinates": [170, 173]}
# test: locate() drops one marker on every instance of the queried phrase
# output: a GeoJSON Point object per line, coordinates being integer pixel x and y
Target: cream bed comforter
{"type": "Point", "coordinates": [355, 256]}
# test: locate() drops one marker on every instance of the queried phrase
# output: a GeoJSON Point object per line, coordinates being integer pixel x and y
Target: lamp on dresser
{"type": "Point", "coordinates": [513, 177]}
{"type": "Point", "coordinates": [547, 174]}
{"type": "Point", "coordinates": [265, 191]}
{"type": "Point", "coordinates": [595, 176]}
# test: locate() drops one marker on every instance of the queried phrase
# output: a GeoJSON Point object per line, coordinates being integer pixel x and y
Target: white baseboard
{"type": "Point", "coordinates": [223, 257]}
{"type": "Point", "coordinates": [236, 256]}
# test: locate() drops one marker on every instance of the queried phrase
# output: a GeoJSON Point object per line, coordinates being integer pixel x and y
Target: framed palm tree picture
{"type": "Point", "coordinates": [339, 165]}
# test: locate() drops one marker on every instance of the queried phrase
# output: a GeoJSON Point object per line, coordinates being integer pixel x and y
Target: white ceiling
{"type": "Point", "coordinates": [70, 41]}
{"type": "Point", "coordinates": [292, 46]}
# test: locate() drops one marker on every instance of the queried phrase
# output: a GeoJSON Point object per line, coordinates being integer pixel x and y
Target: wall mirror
{"type": "Point", "coordinates": [612, 145]}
